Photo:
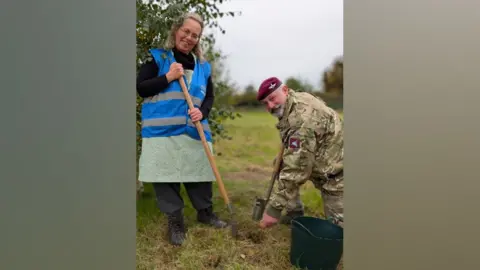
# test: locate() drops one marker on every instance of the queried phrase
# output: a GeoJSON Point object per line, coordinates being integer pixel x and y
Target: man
{"type": "Point", "coordinates": [313, 137]}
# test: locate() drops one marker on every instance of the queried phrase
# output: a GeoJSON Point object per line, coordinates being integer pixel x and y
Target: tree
{"type": "Point", "coordinates": [294, 83]}
{"type": "Point", "coordinates": [250, 90]}
{"type": "Point", "coordinates": [299, 84]}
{"type": "Point", "coordinates": [224, 92]}
{"type": "Point", "coordinates": [332, 79]}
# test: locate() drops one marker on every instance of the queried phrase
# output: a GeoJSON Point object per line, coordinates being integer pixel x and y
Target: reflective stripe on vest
{"type": "Point", "coordinates": [171, 95]}
{"type": "Point", "coordinates": [171, 121]}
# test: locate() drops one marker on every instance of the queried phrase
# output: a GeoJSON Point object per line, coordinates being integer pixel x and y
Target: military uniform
{"type": "Point", "coordinates": [313, 137]}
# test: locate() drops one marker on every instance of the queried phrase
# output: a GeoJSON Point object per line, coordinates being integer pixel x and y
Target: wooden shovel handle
{"type": "Point", "coordinates": [276, 171]}
{"type": "Point", "coordinates": [199, 127]}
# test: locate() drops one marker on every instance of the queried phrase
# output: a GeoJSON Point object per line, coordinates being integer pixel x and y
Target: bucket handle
{"type": "Point", "coordinates": [303, 227]}
{"type": "Point", "coordinates": [309, 232]}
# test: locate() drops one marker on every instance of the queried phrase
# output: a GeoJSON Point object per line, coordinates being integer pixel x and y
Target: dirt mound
{"type": "Point", "coordinates": [251, 172]}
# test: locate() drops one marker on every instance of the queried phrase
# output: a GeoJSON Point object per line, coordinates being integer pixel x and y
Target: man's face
{"type": "Point", "coordinates": [275, 102]}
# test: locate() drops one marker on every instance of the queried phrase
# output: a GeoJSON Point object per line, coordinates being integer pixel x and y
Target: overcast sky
{"type": "Point", "coordinates": [279, 38]}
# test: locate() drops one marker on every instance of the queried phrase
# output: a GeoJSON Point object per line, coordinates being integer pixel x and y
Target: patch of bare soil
{"type": "Point", "coordinates": [255, 237]}
{"type": "Point", "coordinates": [251, 172]}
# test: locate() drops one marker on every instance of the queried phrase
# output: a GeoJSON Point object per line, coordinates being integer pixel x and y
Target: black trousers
{"type": "Point", "coordinates": [169, 199]}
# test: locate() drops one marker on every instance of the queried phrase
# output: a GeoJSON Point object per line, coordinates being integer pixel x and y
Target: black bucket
{"type": "Point", "coordinates": [316, 244]}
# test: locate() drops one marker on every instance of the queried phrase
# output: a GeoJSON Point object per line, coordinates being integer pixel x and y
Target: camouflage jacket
{"type": "Point", "coordinates": [312, 134]}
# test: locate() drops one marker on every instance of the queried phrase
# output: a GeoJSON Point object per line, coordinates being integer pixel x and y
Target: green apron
{"type": "Point", "coordinates": [176, 159]}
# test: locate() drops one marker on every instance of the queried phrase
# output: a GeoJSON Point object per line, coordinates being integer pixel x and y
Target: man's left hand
{"type": "Point", "coordinates": [268, 221]}
{"type": "Point", "coordinates": [195, 114]}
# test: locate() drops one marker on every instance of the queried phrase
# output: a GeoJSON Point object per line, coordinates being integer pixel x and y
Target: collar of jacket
{"type": "Point", "coordinates": [288, 109]}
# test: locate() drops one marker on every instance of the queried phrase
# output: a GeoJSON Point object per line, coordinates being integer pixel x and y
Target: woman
{"type": "Point", "coordinates": [172, 152]}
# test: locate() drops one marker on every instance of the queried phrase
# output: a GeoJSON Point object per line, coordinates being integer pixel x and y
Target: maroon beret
{"type": "Point", "coordinates": [267, 87]}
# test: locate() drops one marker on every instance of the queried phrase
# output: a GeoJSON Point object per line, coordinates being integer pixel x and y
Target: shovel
{"type": "Point", "coordinates": [223, 191]}
{"type": "Point", "coordinates": [260, 203]}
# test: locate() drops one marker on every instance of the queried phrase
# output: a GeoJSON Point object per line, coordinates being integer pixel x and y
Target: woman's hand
{"type": "Point", "coordinates": [195, 114]}
{"type": "Point", "coordinates": [175, 72]}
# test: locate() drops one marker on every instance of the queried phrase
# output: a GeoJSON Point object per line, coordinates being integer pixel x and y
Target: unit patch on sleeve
{"type": "Point", "coordinates": [294, 143]}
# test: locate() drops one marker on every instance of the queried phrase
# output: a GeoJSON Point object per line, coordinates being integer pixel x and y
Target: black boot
{"type": "Point", "coordinates": [176, 228]}
{"type": "Point", "coordinates": [206, 216]}
{"type": "Point", "coordinates": [287, 219]}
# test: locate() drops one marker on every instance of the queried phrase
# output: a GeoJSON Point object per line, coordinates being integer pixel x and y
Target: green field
{"type": "Point", "coordinates": [245, 163]}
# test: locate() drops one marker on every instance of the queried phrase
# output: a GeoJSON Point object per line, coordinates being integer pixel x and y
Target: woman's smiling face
{"type": "Point", "coordinates": [187, 36]}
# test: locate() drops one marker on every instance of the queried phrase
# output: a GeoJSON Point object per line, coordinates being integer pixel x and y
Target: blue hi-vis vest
{"type": "Point", "coordinates": [166, 114]}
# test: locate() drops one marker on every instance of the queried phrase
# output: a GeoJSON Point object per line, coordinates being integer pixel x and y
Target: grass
{"type": "Point", "coordinates": [245, 164]}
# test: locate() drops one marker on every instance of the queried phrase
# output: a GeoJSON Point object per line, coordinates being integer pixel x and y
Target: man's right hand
{"type": "Point", "coordinates": [175, 72]}
{"type": "Point", "coordinates": [267, 221]}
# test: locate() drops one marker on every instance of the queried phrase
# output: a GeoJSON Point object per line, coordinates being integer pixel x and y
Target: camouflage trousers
{"type": "Point", "coordinates": [332, 197]}
{"type": "Point", "coordinates": [333, 208]}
